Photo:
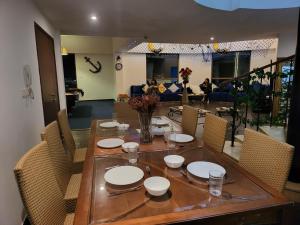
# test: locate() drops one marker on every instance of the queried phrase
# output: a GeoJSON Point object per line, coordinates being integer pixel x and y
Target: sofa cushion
{"type": "Point", "coordinates": [161, 88]}
{"type": "Point", "coordinates": [173, 88]}
{"type": "Point", "coordinates": [145, 88]}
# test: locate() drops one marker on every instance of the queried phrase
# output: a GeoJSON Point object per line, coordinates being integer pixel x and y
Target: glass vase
{"type": "Point", "coordinates": [185, 97]}
{"type": "Point", "coordinates": [145, 124]}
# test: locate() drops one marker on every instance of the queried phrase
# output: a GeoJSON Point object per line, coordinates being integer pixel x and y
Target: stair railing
{"type": "Point", "coordinates": [245, 79]}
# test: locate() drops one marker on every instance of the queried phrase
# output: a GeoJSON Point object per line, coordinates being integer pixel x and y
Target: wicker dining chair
{"type": "Point", "coordinates": [39, 189]}
{"type": "Point", "coordinates": [69, 183]}
{"type": "Point", "coordinates": [189, 120]}
{"type": "Point", "coordinates": [78, 155]}
{"type": "Point", "coordinates": [266, 158]}
{"type": "Point", "coordinates": [214, 132]}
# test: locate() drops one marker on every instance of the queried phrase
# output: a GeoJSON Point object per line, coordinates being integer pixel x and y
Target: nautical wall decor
{"type": "Point", "coordinates": [97, 68]}
{"type": "Point", "coordinates": [118, 65]}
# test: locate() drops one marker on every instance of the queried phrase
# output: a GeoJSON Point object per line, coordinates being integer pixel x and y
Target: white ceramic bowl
{"type": "Point", "coordinates": [174, 161]}
{"type": "Point", "coordinates": [157, 186]}
{"type": "Point", "coordinates": [129, 145]}
{"type": "Point", "coordinates": [158, 131]}
{"type": "Point", "coordinates": [123, 126]}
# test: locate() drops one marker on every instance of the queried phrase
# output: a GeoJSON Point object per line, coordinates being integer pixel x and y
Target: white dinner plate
{"type": "Point", "coordinates": [181, 138]}
{"type": "Point", "coordinates": [109, 124]}
{"type": "Point", "coordinates": [123, 175]}
{"type": "Point", "coordinates": [110, 143]}
{"type": "Point", "coordinates": [159, 122]}
{"type": "Point", "coordinates": [202, 168]}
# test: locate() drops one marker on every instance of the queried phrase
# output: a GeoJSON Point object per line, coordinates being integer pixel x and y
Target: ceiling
{"type": "Point", "coordinates": [165, 20]}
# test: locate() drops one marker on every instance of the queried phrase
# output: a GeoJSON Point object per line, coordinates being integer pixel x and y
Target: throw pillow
{"type": "Point", "coordinates": [161, 88]}
{"type": "Point", "coordinates": [173, 88]}
{"type": "Point", "coordinates": [145, 88]}
{"type": "Point", "coordinates": [214, 86]}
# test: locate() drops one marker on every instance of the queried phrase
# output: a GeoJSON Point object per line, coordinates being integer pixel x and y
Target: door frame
{"type": "Point", "coordinates": [37, 26]}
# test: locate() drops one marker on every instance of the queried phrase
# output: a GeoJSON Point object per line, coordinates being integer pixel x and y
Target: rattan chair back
{"type": "Point", "coordinates": [68, 139]}
{"type": "Point", "coordinates": [60, 160]}
{"type": "Point", "coordinates": [266, 158]}
{"type": "Point", "coordinates": [214, 132]}
{"type": "Point", "coordinates": [38, 187]}
{"type": "Point", "coordinates": [189, 120]}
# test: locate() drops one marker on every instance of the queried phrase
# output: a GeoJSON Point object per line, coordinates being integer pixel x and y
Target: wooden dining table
{"type": "Point", "coordinates": [245, 198]}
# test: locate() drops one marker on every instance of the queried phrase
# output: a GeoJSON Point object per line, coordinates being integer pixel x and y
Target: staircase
{"type": "Point", "coordinates": [278, 133]}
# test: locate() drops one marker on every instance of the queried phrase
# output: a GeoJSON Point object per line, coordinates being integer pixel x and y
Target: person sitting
{"type": "Point", "coordinates": [153, 87]}
{"type": "Point", "coordinates": [206, 87]}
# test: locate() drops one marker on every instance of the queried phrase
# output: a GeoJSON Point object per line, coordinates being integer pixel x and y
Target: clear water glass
{"type": "Point", "coordinates": [215, 182]}
{"type": "Point", "coordinates": [170, 144]}
{"type": "Point", "coordinates": [121, 129]}
{"type": "Point", "coordinates": [132, 155]}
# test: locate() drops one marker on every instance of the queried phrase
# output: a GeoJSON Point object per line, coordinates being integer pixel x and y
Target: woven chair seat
{"type": "Point", "coordinates": [69, 219]}
{"type": "Point", "coordinates": [79, 155]}
{"type": "Point", "coordinates": [78, 160]}
{"type": "Point", "coordinates": [72, 192]}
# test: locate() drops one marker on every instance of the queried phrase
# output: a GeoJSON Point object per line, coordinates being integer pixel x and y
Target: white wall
{"type": "Point", "coordinates": [96, 85]}
{"type": "Point", "coordinates": [21, 121]}
{"type": "Point", "coordinates": [133, 72]}
{"type": "Point", "coordinates": [262, 58]}
{"type": "Point", "coordinates": [287, 43]}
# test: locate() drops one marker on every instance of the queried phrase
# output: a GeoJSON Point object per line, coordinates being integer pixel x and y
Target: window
{"type": "Point", "coordinates": [163, 68]}
{"type": "Point", "coordinates": [229, 65]}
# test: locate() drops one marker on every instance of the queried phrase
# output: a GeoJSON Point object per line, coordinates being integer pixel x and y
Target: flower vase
{"type": "Point", "coordinates": [145, 124]}
{"type": "Point", "coordinates": [185, 97]}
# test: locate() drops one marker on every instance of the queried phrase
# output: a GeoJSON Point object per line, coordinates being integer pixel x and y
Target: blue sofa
{"type": "Point", "coordinates": [223, 93]}
{"type": "Point", "coordinates": [137, 90]}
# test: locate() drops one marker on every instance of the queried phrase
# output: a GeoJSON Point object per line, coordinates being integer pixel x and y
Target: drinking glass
{"type": "Point", "coordinates": [121, 130]}
{"type": "Point", "coordinates": [215, 182]}
{"type": "Point", "coordinates": [170, 144]}
{"type": "Point", "coordinates": [132, 155]}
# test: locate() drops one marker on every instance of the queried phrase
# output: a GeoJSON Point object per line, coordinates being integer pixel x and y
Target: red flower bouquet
{"type": "Point", "coordinates": [185, 73]}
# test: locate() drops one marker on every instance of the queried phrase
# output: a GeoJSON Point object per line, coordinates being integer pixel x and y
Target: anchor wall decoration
{"type": "Point", "coordinates": [97, 68]}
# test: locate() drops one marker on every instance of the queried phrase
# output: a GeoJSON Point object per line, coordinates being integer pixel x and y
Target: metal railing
{"type": "Point", "coordinates": [245, 80]}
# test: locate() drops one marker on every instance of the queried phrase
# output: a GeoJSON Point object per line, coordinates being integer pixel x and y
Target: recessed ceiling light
{"type": "Point", "coordinates": [94, 18]}
{"type": "Point", "coordinates": [212, 38]}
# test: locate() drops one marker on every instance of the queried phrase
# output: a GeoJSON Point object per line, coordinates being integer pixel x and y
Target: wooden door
{"type": "Point", "coordinates": [48, 76]}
